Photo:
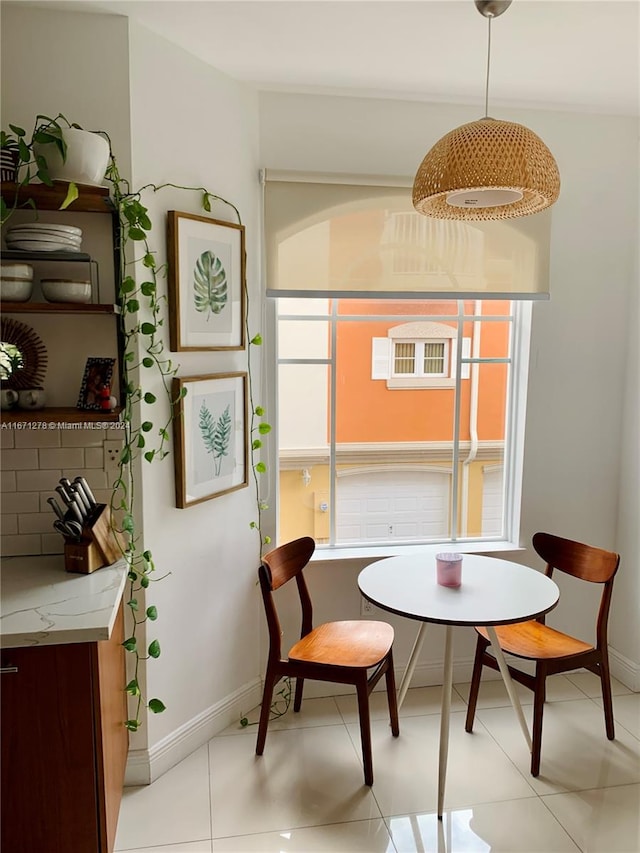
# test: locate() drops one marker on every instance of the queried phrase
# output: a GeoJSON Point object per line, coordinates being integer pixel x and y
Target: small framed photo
{"type": "Point", "coordinates": [206, 283]}
{"type": "Point", "coordinates": [98, 373]}
{"type": "Point", "coordinates": [211, 452]}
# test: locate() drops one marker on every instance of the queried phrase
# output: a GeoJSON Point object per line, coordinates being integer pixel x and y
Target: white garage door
{"type": "Point", "coordinates": [492, 502]}
{"type": "Point", "coordinates": [399, 505]}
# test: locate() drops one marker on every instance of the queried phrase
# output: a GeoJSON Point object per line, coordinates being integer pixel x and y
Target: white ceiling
{"type": "Point", "coordinates": [576, 54]}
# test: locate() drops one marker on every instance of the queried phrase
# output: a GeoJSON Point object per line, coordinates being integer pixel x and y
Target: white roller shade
{"type": "Point", "coordinates": [343, 236]}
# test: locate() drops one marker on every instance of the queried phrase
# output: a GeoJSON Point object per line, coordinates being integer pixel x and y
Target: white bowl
{"type": "Point", "coordinates": [15, 289]}
{"type": "Point", "coordinates": [23, 271]}
{"type": "Point", "coordinates": [65, 290]}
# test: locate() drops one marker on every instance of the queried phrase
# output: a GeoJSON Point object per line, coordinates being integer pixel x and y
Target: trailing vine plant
{"type": "Point", "coordinates": [142, 308]}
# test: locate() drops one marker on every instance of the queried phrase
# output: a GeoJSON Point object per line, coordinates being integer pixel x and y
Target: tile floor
{"type": "Point", "coordinates": [306, 792]}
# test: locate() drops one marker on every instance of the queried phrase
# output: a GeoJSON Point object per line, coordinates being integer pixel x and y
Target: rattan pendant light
{"type": "Point", "coordinates": [487, 169]}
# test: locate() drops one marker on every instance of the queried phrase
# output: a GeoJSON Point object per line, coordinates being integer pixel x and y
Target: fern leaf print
{"type": "Point", "coordinates": [216, 435]}
{"type": "Point", "coordinates": [210, 291]}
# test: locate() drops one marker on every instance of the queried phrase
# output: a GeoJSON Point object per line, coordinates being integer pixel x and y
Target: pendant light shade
{"type": "Point", "coordinates": [487, 169]}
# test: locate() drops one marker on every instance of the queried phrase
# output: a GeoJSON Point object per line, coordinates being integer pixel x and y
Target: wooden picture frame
{"type": "Point", "coordinates": [206, 283]}
{"type": "Point", "coordinates": [210, 428]}
{"type": "Point", "coordinates": [98, 373]}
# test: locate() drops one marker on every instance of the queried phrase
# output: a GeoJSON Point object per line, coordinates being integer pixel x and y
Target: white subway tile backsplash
{"type": "Point", "coordinates": [82, 437]}
{"type": "Point", "coordinates": [95, 478]}
{"type": "Point", "coordinates": [94, 457]}
{"type": "Point", "coordinates": [67, 458]}
{"type": "Point", "coordinates": [52, 543]}
{"type": "Point", "coordinates": [36, 522]}
{"type": "Point", "coordinates": [9, 524]}
{"type": "Point", "coordinates": [37, 438]}
{"type": "Point", "coordinates": [19, 460]}
{"type": "Point", "coordinates": [14, 546]}
{"type": "Point", "coordinates": [6, 439]}
{"type": "Point", "coordinates": [8, 481]}
{"type": "Point", "coordinates": [37, 481]}
{"type": "Point", "coordinates": [21, 502]}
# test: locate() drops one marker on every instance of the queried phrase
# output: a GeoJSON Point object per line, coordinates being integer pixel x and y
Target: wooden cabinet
{"type": "Point", "coordinates": [64, 745]}
{"type": "Point", "coordinates": [70, 332]}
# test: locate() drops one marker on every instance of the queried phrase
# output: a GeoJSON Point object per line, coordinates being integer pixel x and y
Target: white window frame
{"type": "Point", "coordinates": [513, 459]}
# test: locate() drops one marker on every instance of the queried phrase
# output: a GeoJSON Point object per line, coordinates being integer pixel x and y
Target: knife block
{"type": "Point", "coordinates": [98, 547]}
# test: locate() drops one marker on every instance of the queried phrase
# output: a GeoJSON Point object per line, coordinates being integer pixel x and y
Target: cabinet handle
{"type": "Point", "coordinates": [7, 669]}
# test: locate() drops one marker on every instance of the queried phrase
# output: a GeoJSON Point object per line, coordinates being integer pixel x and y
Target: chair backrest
{"type": "Point", "coordinates": [584, 562]}
{"type": "Point", "coordinates": [278, 567]}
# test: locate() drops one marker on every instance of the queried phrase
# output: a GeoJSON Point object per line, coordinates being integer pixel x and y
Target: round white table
{"type": "Point", "coordinates": [493, 592]}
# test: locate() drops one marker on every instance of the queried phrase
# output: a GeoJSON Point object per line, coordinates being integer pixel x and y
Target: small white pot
{"type": "Point", "coordinates": [87, 157]}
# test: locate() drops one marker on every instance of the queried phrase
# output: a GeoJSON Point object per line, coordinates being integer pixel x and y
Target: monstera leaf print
{"type": "Point", "coordinates": [209, 284]}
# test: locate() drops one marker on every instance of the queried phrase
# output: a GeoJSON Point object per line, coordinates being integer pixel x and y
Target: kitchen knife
{"type": "Point", "coordinates": [80, 481]}
{"type": "Point", "coordinates": [56, 508]}
{"type": "Point", "coordinates": [70, 504]}
{"type": "Point", "coordinates": [78, 495]}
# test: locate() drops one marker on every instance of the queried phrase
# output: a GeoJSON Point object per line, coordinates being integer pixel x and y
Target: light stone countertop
{"type": "Point", "coordinates": [41, 604]}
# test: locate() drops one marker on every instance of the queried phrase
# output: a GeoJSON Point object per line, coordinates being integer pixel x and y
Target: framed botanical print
{"type": "Point", "coordinates": [206, 283]}
{"type": "Point", "coordinates": [211, 452]}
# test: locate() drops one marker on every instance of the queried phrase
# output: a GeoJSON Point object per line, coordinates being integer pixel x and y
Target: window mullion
{"type": "Point", "coordinates": [332, 422]}
{"type": "Point", "coordinates": [456, 426]}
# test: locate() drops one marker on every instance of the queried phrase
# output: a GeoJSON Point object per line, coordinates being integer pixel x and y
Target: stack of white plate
{"type": "Point", "coordinates": [44, 237]}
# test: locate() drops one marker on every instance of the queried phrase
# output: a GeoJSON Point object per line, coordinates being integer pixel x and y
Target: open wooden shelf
{"type": "Point", "coordinates": [58, 308]}
{"type": "Point", "coordinates": [59, 414]}
{"type": "Point", "coordinates": [90, 199]}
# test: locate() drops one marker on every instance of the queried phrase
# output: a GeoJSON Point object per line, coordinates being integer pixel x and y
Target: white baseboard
{"type": "Point", "coordinates": [625, 670]}
{"type": "Point", "coordinates": [146, 765]}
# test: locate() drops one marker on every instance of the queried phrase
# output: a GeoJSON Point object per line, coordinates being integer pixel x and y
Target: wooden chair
{"type": "Point", "coordinates": [552, 650]}
{"type": "Point", "coordinates": [339, 652]}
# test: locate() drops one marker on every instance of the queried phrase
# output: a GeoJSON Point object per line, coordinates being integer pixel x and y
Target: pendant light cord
{"type": "Point", "coordinates": [486, 91]}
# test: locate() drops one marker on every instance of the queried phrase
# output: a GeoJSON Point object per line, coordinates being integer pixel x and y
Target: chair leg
{"type": "Point", "coordinates": [392, 697]}
{"type": "Point", "coordinates": [265, 711]}
{"type": "Point", "coordinates": [474, 688]}
{"type": "Point", "coordinates": [365, 728]}
{"type": "Point", "coordinates": [605, 680]}
{"type": "Point", "coordinates": [297, 701]}
{"type": "Point", "coordinates": [538, 709]}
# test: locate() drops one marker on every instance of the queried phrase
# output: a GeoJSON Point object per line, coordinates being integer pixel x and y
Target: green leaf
{"type": "Point", "coordinates": [132, 725]}
{"type": "Point", "coordinates": [133, 577]}
{"type": "Point", "coordinates": [133, 603]}
{"type": "Point", "coordinates": [154, 649]}
{"type": "Point", "coordinates": [127, 523]}
{"type": "Point", "coordinates": [147, 328]}
{"type": "Point", "coordinates": [149, 260]}
{"type": "Point", "coordinates": [132, 688]}
{"type": "Point", "coordinates": [152, 613]}
{"type": "Point", "coordinates": [261, 467]}
{"type": "Point", "coordinates": [130, 644]}
{"type": "Point", "coordinates": [136, 234]}
{"type": "Point", "coordinates": [147, 426]}
{"type": "Point", "coordinates": [267, 540]}
{"type": "Point", "coordinates": [264, 428]}
{"type": "Point", "coordinates": [133, 306]}
{"type": "Point", "coordinates": [148, 288]}
{"type": "Point", "coordinates": [128, 285]}
{"type": "Point", "coordinates": [256, 340]}
{"type": "Point", "coordinates": [147, 362]}
{"type": "Point", "coordinates": [140, 443]}
{"type": "Point", "coordinates": [71, 196]}
{"type": "Point", "coordinates": [149, 455]}
{"type": "Point", "coordinates": [125, 456]}
{"type": "Point", "coordinates": [144, 581]}
{"type": "Point", "coordinates": [253, 525]}
{"type": "Point", "coordinates": [256, 444]}
{"type": "Point", "coordinates": [210, 289]}
{"type": "Point", "coordinates": [149, 397]}
{"type": "Point", "coordinates": [244, 722]}
{"type": "Point", "coordinates": [156, 706]}
{"type": "Point", "coordinates": [129, 356]}
{"type": "Point", "coordinates": [259, 411]}
{"type": "Point", "coordinates": [19, 131]}
{"type": "Point", "coordinates": [205, 200]}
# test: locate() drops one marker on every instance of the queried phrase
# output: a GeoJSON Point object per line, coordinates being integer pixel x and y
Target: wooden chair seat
{"type": "Point", "coordinates": [350, 644]}
{"type": "Point", "coordinates": [553, 651]}
{"type": "Point", "coordinates": [355, 652]}
{"type": "Point", "coordinates": [534, 641]}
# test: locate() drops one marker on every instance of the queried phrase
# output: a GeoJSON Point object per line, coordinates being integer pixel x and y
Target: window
{"type": "Point", "coordinates": [401, 360]}
{"type": "Point", "coordinates": [369, 462]}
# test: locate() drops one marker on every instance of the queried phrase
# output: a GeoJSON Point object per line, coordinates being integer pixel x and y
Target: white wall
{"type": "Point", "coordinates": [579, 404]}
{"type": "Point", "coordinates": [193, 126]}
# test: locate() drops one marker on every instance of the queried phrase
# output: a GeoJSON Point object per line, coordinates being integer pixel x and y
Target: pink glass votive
{"type": "Point", "coordinates": [449, 569]}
